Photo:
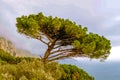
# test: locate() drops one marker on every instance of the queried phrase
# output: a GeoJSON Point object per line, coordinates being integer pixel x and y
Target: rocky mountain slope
{"type": "Point", "coordinates": [9, 47]}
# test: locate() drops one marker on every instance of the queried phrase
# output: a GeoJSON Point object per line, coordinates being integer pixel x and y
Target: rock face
{"type": "Point", "coordinates": [7, 46]}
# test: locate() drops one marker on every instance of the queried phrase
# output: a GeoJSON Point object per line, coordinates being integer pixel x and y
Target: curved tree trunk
{"type": "Point", "coordinates": [48, 51]}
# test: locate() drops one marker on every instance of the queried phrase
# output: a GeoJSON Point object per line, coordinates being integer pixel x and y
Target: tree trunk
{"type": "Point", "coordinates": [48, 51]}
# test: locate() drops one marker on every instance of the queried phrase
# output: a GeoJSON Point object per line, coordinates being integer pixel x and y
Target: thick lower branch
{"type": "Point", "coordinates": [59, 54]}
{"type": "Point", "coordinates": [64, 50]}
{"type": "Point", "coordinates": [62, 57]}
{"type": "Point", "coordinates": [57, 47]}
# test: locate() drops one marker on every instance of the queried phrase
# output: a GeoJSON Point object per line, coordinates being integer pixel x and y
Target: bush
{"type": "Point", "coordinates": [34, 70]}
{"type": "Point", "coordinates": [71, 72]}
{"type": "Point", "coordinates": [27, 68]}
{"type": "Point", "coordinates": [6, 57]}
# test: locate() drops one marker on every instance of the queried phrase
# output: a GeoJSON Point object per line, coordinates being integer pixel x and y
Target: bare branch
{"type": "Point", "coordinates": [39, 38]}
{"type": "Point", "coordinates": [62, 57]}
{"type": "Point", "coordinates": [57, 47]}
{"type": "Point", "coordinates": [64, 50]}
{"type": "Point", "coordinates": [43, 42]}
{"type": "Point", "coordinates": [59, 54]}
{"type": "Point", "coordinates": [50, 39]}
{"type": "Point", "coordinates": [71, 53]}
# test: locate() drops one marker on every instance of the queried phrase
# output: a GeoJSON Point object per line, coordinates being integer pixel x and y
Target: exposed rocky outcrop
{"type": "Point", "coordinates": [7, 46]}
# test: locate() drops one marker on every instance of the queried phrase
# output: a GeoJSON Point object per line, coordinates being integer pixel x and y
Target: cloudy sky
{"type": "Point", "coordinates": [100, 16]}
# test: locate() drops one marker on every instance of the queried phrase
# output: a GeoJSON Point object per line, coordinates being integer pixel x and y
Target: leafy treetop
{"type": "Point", "coordinates": [63, 37]}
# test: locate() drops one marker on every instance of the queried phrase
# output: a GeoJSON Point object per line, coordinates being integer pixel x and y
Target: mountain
{"type": "Point", "coordinates": [9, 47]}
{"type": "Point", "coordinates": [24, 53]}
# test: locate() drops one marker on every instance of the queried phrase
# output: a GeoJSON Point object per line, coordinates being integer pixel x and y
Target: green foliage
{"type": "Point", "coordinates": [94, 46]}
{"type": "Point", "coordinates": [54, 69]}
{"type": "Point", "coordinates": [33, 70]}
{"type": "Point", "coordinates": [30, 26]}
{"type": "Point", "coordinates": [54, 28]}
{"type": "Point", "coordinates": [37, 70]}
{"type": "Point", "coordinates": [27, 68]}
{"type": "Point", "coordinates": [6, 57]}
{"type": "Point", "coordinates": [27, 59]}
{"type": "Point", "coordinates": [61, 33]}
{"type": "Point", "coordinates": [71, 72]}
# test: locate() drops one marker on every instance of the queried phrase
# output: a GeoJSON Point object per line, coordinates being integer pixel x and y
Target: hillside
{"type": "Point", "coordinates": [18, 64]}
{"type": "Point", "coordinates": [9, 47]}
{"type": "Point", "coordinates": [26, 68]}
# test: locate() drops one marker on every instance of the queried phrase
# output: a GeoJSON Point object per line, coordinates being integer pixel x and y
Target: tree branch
{"type": "Point", "coordinates": [46, 36]}
{"type": "Point", "coordinates": [68, 39]}
{"type": "Point", "coordinates": [39, 38]}
{"type": "Point", "coordinates": [71, 53]}
{"type": "Point", "coordinates": [62, 57]}
{"type": "Point", "coordinates": [66, 50]}
{"type": "Point", "coordinates": [57, 47]}
{"type": "Point", "coordinates": [57, 55]}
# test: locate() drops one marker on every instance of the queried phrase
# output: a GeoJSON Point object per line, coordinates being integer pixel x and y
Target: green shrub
{"type": "Point", "coordinates": [71, 72]}
{"type": "Point", "coordinates": [33, 70]}
{"type": "Point", "coordinates": [4, 56]}
{"type": "Point", "coordinates": [27, 68]}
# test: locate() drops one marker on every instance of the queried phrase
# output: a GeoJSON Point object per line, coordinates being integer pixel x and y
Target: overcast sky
{"type": "Point", "coordinates": [100, 16]}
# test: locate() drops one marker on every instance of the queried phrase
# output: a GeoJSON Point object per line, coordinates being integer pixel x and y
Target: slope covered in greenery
{"type": "Point", "coordinates": [26, 68]}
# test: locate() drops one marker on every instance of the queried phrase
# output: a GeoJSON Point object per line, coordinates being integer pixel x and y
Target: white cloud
{"type": "Point", "coordinates": [115, 54]}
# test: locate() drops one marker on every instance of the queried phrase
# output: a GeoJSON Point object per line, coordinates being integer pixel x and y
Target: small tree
{"type": "Point", "coordinates": [63, 37]}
